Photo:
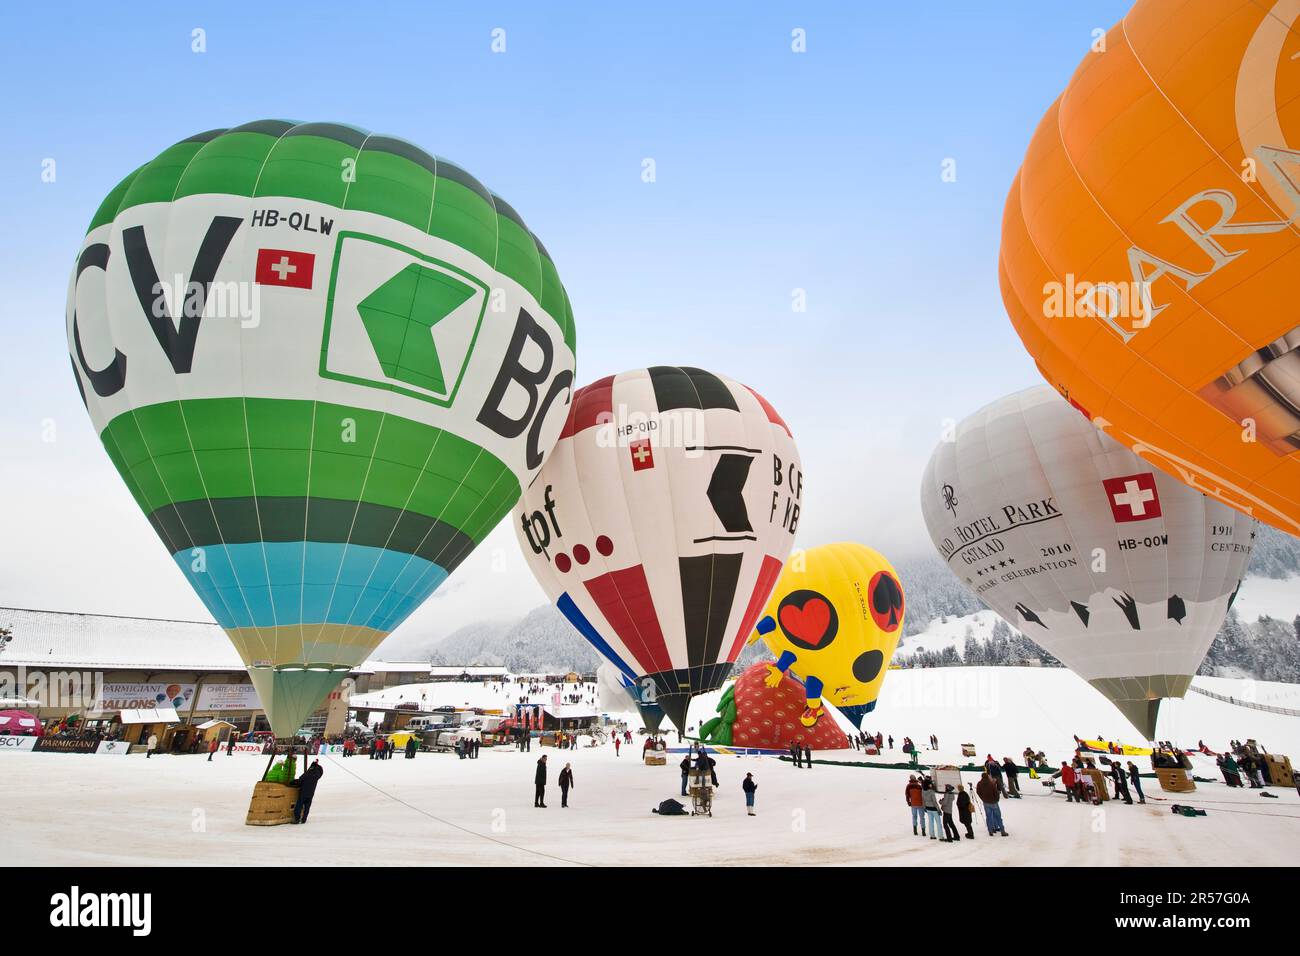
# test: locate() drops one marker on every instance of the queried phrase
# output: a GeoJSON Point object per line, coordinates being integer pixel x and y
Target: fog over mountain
{"type": "Point", "coordinates": [1267, 648]}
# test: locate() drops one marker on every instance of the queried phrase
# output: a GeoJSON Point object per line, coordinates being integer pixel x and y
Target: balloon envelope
{"type": "Point", "coordinates": [834, 620]}
{"type": "Point", "coordinates": [1119, 570]}
{"type": "Point", "coordinates": [1149, 246]}
{"type": "Point", "coordinates": [284, 336]}
{"type": "Point", "coordinates": [619, 694]}
{"type": "Point", "coordinates": [661, 521]}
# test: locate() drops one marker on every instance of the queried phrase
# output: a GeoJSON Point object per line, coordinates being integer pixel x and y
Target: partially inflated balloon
{"type": "Point", "coordinates": [619, 693]}
{"type": "Point", "coordinates": [324, 362]}
{"type": "Point", "coordinates": [1150, 245]}
{"type": "Point", "coordinates": [661, 521]}
{"type": "Point", "coordinates": [834, 620]}
{"type": "Point", "coordinates": [1114, 567]}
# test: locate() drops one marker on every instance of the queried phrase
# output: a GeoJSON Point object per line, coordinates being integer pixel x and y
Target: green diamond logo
{"type": "Point", "coordinates": [399, 317]}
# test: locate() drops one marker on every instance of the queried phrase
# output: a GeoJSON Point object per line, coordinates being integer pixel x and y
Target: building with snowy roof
{"type": "Point", "coordinates": [163, 676]}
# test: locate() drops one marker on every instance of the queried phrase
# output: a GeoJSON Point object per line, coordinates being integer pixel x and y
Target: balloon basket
{"type": "Point", "coordinates": [272, 804]}
{"type": "Point", "coordinates": [1175, 780]}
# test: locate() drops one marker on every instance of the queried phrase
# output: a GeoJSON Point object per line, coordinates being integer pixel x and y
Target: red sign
{"type": "Point", "coordinates": [642, 455]}
{"type": "Point", "coordinates": [1133, 497]}
{"type": "Point", "coordinates": [285, 267]}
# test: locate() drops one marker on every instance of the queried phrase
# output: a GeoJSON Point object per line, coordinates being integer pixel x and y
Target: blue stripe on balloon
{"type": "Point", "coordinates": [265, 584]}
{"type": "Point", "coordinates": [579, 621]}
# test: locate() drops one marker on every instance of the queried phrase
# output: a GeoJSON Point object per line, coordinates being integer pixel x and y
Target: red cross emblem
{"type": "Point", "coordinates": [642, 456]}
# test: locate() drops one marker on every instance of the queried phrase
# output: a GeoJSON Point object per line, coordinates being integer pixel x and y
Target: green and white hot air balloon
{"type": "Point", "coordinates": [325, 362]}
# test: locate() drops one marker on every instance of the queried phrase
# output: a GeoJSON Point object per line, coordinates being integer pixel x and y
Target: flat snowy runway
{"type": "Point", "coordinates": [437, 809]}
{"type": "Point", "coordinates": [66, 809]}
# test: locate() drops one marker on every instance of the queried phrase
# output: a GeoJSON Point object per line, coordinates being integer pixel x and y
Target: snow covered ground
{"type": "Point", "coordinates": [1277, 598]}
{"type": "Point", "coordinates": [86, 810]}
{"type": "Point", "coordinates": [950, 631]}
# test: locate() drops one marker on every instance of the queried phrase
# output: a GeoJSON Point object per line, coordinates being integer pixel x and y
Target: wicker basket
{"type": "Point", "coordinates": [272, 805]}
{"type": "Point", "coordinates": [1175, 780]}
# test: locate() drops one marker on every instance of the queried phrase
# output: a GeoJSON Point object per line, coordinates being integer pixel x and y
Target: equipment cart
{"type": "Point", "coordinates": [701, 795]}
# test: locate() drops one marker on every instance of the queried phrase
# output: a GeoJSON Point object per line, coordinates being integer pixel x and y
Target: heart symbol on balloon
{"type": "Point", "coordinates": [809, 623]}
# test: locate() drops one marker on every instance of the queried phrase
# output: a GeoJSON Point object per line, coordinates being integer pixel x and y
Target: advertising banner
{"type": "Point", "coordinates": [118, 696]}
{"type": "Point", "coordinates": [66, 745]}
{"type": "Point", "coordinates": [13, 745]}
{"type": "Point", "coordinates": [249, 747]}
{"type": "Point", "coordinates": [113, 748]}
{"type": "Point", "coordinates": [222, 697]}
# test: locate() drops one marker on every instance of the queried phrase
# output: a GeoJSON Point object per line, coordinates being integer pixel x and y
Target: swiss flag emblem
{"type": "Point", "coordinates": [285, 267]}
{"type": "Point", "coordinates": [642, 455]}
{"type": "Point", "coordinates": [1133, 497]}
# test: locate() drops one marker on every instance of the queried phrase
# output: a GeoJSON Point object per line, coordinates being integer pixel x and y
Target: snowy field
{"type": "Point", "coordinates": [436, 809]}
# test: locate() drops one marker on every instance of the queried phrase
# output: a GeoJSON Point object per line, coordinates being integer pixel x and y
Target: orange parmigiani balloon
{"type": "Point", "coordinates": [1150, 253]}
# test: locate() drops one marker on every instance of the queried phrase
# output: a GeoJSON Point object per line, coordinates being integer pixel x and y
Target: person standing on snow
{"type": "Point", "coordinates": [307, 791]}
{"type": "Point", "coordinates": [539, 780]}
{"type": "Point", "coordinates": [994, 770]}
{"type": "Point", "coordinates": [931, 802]}
{"type": "Point", "coordinates": [964, 808]}
{"type": "Point", "coordinates": [566, 781]}
{"type": "Point", "coordinates": [1136, 779]}
{"type": "Point", "coordinates": [749, 786]}
{"type": "Point", "coordinates": [1013, 773]}
{"type": "Point", "coordinates": [915, 802]}
{"type": "Point", "coordinates": [618, 744]}
{"type": "Point", "coordinates": [151, 747]}
{"type": "Point", "coordinates": [989, 792]}
{"type": "Point", "coordinates": [950, 834]}
{"type": "Point", "coordinates": [807, 756]}
{"type": "Point", "coordinates": [213, 744]}
{"type": "Point", "coordinates": [686, 772]}
{"type": "Point", "coordinates": [1121, 786]}
{"type": "Point", "coordinates": [1070, 780]}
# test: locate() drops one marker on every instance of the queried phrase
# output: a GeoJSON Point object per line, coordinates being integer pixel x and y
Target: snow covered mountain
{"type": "Point", "coordinates": [946, 625]}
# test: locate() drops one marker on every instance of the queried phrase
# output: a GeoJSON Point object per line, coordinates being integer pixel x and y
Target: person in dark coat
{"type": "Point", "coordinates": [411, 747]}
{"type": "Point", "coordinates": [796, 752]}
{"type": "Point", "coordinates": [686, 772]}
{"type": "Point", "coordinates": [749, 786]}
{"type": "Point", "coordinates": [964, 813]}
{"type": "Point", "coordinates": [1135, 778]}
{"type": "Point", "coordinates": [230, 744]}
{"type": "Point", "coordinates": [1013, 773]}
{"type": "Point", "coordinates": [306, 791]}
{"type": "Point", "coordinates": [950, 833]}
{"type": "Point", "coordinates": [707, 764]}
{"type": "Point", "coordinates": [807, 755]}
{"type": "Point", "coordinates": [539, 798]}
{"type": "Point", "coordinates": [566, 781]}
{"type": "Point", "coordinates": [989, 791]}
{"type": "Point", "coordinates": [1121, 785]}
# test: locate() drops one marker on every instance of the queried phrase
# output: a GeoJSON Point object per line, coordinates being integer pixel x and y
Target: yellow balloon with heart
{"type": "Point", "coordinates": [833, 621]}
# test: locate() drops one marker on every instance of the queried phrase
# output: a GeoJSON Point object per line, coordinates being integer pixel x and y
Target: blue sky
{"type": "Point", "coordinates": [775, 171]}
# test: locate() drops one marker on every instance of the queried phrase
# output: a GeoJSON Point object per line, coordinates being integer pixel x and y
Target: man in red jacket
{"type": "Point", "coordinates": [915, 800]}
{"type": "Point", "coordinates": [1070, 780]}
